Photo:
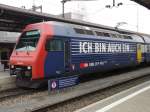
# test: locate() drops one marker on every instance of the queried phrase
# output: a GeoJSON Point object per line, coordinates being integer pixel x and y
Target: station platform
{"type": "Point", "coordinates": [136, 99]}
{"type": "Point", "coordinates": [6, 81]}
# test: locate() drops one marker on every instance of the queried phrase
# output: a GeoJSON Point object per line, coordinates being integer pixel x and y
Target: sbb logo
{"type": "Point", "coordinates": [53, 84]}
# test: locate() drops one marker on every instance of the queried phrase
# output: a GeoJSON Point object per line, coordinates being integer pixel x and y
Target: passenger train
{"type": "Point", "coordinates": [56, 49]}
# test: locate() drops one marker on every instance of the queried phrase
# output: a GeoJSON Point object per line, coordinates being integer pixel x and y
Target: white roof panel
{"type": "Point", "coordinates": [147, 39]}
{"type": "Point", "coordinates": [137, 38]}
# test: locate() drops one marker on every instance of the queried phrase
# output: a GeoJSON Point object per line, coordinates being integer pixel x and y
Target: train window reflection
{"type": "Point", "coordinates": [55, 45]}
{"type": "Point", "coordinates": [28, 41]}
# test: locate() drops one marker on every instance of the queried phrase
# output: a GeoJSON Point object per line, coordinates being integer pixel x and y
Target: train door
{"type": "Point", "coordinates": [55, 59]}
{"type": "Point", "coordinates": [139, 53]}
{"type": "Point", "coordinates": [67, 55]}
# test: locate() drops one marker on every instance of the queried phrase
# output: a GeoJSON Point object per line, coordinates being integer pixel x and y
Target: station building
{"type": "Point", "coordinates": [7, 42]}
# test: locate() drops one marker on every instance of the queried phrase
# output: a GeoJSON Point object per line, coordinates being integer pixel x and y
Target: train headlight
{"type": "Point", "coordinates": [12, 66]}
{"type": "Point", "coordinates": [29, 68]}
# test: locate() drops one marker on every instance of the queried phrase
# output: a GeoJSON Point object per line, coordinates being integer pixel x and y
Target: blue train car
{"type": "Point", "coordinates": [91, 50]}
{"type": "Point", "coordinates": [62, 49]}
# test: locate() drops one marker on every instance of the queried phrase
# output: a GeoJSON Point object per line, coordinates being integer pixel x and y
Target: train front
{"type": "Point", "coordinates": [27, 59]}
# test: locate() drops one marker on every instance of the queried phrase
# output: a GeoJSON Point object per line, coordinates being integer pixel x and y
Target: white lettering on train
{"type": "Point", "coordinates": [101, 47]}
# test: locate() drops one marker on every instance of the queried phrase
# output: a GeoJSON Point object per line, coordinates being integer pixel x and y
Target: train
{"type": "Point", "coordinates": [54, 49]}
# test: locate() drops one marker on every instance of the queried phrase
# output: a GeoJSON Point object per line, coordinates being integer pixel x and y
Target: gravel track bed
{"type": "Point", "coordinates": [12, 93]}
{"type": "Point", "coordinates": [77, 103]}
{"type": "Point", "coordinates": [22, 98]}
{"type": "Point", "coordinates": [26, 97]}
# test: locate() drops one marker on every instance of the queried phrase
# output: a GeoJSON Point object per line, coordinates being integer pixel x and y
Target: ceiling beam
{"type": "Point", "coordinates": [145, 3]}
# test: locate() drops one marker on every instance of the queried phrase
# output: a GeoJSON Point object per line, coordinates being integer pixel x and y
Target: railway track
{"type": "Point", "coordinates": [12, 93]}
{"type": "Point", "coordinates": [77, 103]}
{"type": "Point", "coordinates": [45, 101]}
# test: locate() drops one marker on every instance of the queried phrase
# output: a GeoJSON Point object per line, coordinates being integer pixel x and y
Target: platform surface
{"type": "Point", "coordinates": [4, 74]}
{"type": "Point", "coordinates": [136, 99]}
{"type": "Point", "coordinates": [6, 81]}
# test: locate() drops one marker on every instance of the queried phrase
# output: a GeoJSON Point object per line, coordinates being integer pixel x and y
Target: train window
{"type": "Point", "coordinates": [148, 48]}
{"type": "Point", "coordinates": [99, 33]}
{"type": "Point", "coordinates": [80, 31]}
{"type": "Point", "coordinates": [55, 45]}
{"type": "Point", "coordinates": [28, 41]}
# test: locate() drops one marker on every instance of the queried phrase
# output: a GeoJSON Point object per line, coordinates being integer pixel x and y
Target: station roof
{"type": "Point", "coordinates": [145, 3]}
{"type": "Point", "coordinates": [15, 19]}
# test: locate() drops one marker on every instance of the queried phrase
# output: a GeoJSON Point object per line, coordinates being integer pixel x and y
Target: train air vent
{"type": "Point", "coordinates": [106, 35]}
{"type": "Point", "coordinates": [89, 32]}
{"type": "Point", "coordinates": [79, 31]}
{"type": "Point", "coordinates": [127, 37]}
{"type": "Point", "coordinates": [99, 33]}
{"type": "Point", "coordinates": [114, 36]}
{"type": "Point", "coordinates": [120, 36]}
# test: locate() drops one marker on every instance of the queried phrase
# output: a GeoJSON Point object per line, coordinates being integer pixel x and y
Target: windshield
{"type": "Point", "coordinates": [28, 41]}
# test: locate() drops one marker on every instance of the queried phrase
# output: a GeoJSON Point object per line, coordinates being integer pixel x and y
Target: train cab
{"type": "Point", "coordinates": [27, 59]}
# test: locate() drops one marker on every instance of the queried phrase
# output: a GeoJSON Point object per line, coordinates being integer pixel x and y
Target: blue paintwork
{"type": "Point", "coordinates": [114, 60]}
{"type": "Point", "coordinates": [147, 57]}
{"type": "Point", "coordinates": [54, 64]}
{"type": "Point", "coordinates": [55, 60]}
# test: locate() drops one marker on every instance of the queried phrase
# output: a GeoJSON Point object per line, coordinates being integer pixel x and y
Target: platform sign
{"type": "Point", "coordinates": [64, 82]}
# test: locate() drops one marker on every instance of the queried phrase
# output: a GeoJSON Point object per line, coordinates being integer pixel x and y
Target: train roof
{"type": "Point", "coordinates": [146, 38]}
{"type": "Point", "coordinates": [84, 31]}
{"type": "Point", "coordinates": [73, 30]}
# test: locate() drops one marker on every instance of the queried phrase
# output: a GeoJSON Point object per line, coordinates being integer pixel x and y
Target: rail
{"type": "Point", "coordinates": [38, 104]}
